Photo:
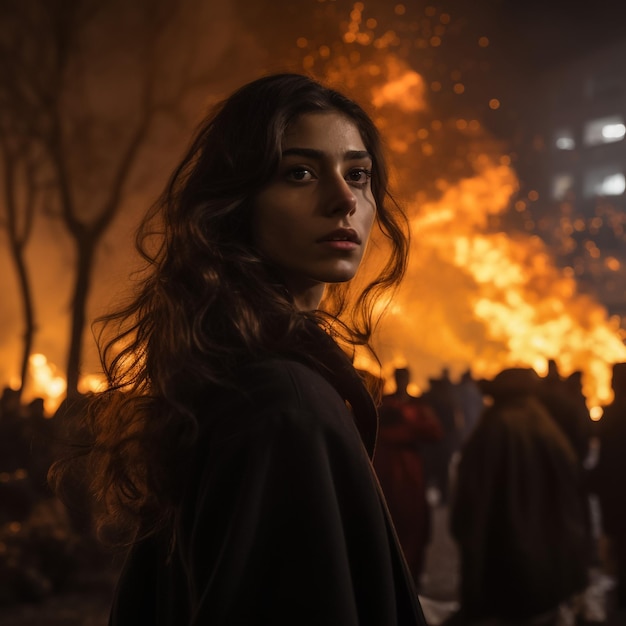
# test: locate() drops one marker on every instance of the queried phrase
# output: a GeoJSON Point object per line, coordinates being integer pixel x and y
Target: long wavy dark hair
{"type": "Point", "coordinates": [207, 300]}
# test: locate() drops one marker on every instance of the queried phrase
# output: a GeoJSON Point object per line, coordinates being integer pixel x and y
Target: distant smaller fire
{"type": "Point", "coordinates": [48, 383]}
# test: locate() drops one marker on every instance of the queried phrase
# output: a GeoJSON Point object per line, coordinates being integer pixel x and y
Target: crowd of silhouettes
{"type": "Point", "coordinates": [607, 482]}
{"type": "Point", "coordinates": [518, 496]}
{"type": "Point", "coordinates": [42, 552]}
{"type": "Point", "coordinates": [518, 462]}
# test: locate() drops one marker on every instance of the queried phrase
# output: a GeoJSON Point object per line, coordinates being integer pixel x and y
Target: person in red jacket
{"type": "Point", "coordinates": [406, 424]}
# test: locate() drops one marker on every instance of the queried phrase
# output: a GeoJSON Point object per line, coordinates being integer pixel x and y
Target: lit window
{"type": "Point", "coordinates": [564, 140]}
{"type": "Point", "coordinates": [606, 181]}
{"type": "Point", "coordinates": [565, 143]}
{"type": "Point", "coordinates": [561, 184]}
{"type": "Point", "coordinates": [613, 185]}
{"type": "Point", "coordinates": [604, 130]}
{"type": "Point", "coordinates": [614, 132]}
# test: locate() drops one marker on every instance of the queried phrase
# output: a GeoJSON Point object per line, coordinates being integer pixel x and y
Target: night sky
{"type": "Point", "coordinates": [535, 34]}
{"type": "Point", "coordinates": [529, 38]}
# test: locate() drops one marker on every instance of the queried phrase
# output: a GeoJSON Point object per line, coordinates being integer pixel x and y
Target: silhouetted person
{"type": "Point", "coordinates": [517, 513]}
{"type": "Point", "coordinates": [441, 396]}
{"type": "Point", "coordinates": [608, 479]}
{"type": "Point", "coordinates": [14, 449]}
{"type": "Point", "coordinates": [562, 398]}
{"type": "Point", "coordinates": [406, 423]}
{"type": "Point", "coordinates": [9, 403]}
{"type": "Point", "coordinates": [470, 403]}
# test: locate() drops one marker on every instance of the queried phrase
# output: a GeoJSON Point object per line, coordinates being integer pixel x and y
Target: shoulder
{"type": "Point", "coordinates": [284, 381]}
{"type": "Point", "coordinates": [275, 395]}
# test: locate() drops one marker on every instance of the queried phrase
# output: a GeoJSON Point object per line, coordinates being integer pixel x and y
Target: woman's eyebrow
{"type": "Point", "coordinates": [349, 155]}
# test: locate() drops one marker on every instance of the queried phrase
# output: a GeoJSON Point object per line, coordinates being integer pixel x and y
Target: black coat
{"type": "Point", "coordinates": [283, 521]}
{"type": "Point", "coordinates": [518, 514]}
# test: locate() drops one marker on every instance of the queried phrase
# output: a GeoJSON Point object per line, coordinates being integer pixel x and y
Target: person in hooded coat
{"type": "Point", "coordinates": [517, 515]}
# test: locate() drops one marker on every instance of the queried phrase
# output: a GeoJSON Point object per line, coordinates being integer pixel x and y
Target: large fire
{"type": "Point", "coordinates": [487, 301]}
{"type": "Point", "coordinates": [474, 296]}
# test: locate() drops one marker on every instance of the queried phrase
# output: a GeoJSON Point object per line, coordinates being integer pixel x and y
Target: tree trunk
{"type": "Point", "coordinates": [29, 317]}
{"type": "Point", "coordinates": [84, 262]}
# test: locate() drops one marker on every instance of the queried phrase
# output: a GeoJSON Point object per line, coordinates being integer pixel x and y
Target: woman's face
{"type": "Point", "coordinates": [313, 219]}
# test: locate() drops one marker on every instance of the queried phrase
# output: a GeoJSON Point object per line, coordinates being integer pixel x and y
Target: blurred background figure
{"type": "Point", "coordinates": [566, 404]}
{"type": "Point", "coordinates": [470, 402]}
{"type": "Point", "coordinates": [608, 483]}
{"type": "Point", "coordinates": [406, 423]}
{"type": "Point", "coordinates": [518, 513]}
{"type": "Point", "coordinates": [442, 397]}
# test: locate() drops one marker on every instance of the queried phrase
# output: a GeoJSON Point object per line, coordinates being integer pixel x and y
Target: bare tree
{"type": "Point", "coordinates": [21, 162]}
{"type": "Point", "coordinates": [70, 134]}
{"type": "Point", "coordinates": [19, 188]}
{"type": "Point", "coordinates": [78, 78]}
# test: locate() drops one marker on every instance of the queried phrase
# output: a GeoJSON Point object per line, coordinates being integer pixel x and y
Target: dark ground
{"type": "Point", "coordinates": [89, 607]}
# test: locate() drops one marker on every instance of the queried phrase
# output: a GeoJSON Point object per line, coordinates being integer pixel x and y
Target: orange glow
{"type": "Point", "coordinates": [473, 296]}
{"type": "Point", "coordinates": [47, 383]}
{"type": "Point", "coordinates": [595, 413]}
{"type": "Point", "coordinates": [405, 88]}
{"type": "Point", "coordinates": [613, 264]}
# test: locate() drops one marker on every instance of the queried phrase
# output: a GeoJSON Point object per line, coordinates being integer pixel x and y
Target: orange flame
{"type": "Point", "coordinates": [477, 298]}
{"type": "Point", "coordinates": [48, 383]}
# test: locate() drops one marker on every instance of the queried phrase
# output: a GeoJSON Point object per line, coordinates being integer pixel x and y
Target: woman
{"type": "Point", "coordinates": [232, 449]}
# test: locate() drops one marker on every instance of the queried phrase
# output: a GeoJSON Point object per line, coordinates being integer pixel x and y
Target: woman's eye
{"type": "Point", "coordinates": [359, 176]}
{"type": "Point", "coordinates": [300, 174]}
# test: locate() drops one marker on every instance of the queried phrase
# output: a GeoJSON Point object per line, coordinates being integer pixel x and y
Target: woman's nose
{"type": "Point", "coordinates": [342, 200]}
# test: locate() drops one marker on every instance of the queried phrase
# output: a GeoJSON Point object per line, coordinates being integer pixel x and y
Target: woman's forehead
{"type": "Point", "coordinates": [325, 130]}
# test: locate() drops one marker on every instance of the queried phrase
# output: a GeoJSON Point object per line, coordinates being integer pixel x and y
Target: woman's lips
{"type": "Point", "coordinates": [347, 236]}
{"type": "Point", "coordinates": [339, 244]}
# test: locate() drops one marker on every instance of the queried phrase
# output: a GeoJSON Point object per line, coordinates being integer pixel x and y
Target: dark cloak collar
{"type": "Point", "coordinates": [317, 349]}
